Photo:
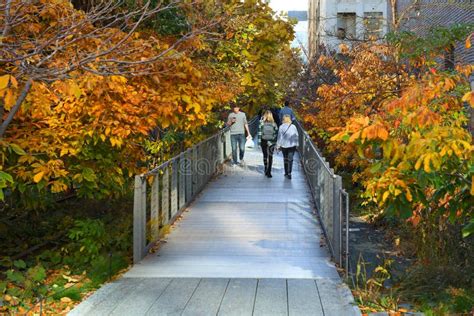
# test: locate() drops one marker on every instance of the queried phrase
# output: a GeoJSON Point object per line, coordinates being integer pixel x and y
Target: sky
{"type": "Point", "coordinates": [288, 5]}
{"type": "Point", "coordinates": [301, 29]}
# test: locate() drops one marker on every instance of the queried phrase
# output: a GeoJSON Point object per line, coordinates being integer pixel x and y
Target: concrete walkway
{"type": "Point", "coordinates": [248, 245]}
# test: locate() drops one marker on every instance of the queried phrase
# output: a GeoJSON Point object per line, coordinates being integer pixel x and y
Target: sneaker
{"type": "Point", "coordinates": [288, 176]}
{"type": "Point", "coordinates": [269, 175]}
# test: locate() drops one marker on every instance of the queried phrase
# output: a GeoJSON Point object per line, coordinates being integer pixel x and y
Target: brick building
{"type": "Point", "coordinates": [419, 16]}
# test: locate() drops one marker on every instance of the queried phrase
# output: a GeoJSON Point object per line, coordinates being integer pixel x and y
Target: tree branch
{"type": "Point", "coordinates": [16, 107]}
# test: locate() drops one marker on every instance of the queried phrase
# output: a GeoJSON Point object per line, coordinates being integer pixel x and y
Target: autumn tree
{"type": "Point", "coordinates": [396, 120]}
{"type": "Point", "coordinates": [80, 99]}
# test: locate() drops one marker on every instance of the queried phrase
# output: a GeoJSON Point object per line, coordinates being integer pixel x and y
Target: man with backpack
{"type": "Point", "coordinates": [267, 138]}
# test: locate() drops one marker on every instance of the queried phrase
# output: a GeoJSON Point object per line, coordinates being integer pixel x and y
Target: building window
{"type": "Point", "coordinates": [346, 25]}
{"type": "Point", "coordinates": [373, 23]}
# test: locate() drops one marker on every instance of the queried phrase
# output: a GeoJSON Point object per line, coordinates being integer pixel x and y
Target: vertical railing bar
{"type": "Point", "coordinates": [139, 219]}
{"type": "Point", "coordinates": [174, 189]}
{"type": "Point", "coordinates": [340, 227]}
{"type": "Point", "coordinates": [347, 234]}
{"type": "Point", "coordinates": [165, 195]}
{"type": "Point", "coordinates": [155, 213]}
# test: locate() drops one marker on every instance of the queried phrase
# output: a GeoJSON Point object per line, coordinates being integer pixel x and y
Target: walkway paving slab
{"type": "Point", "coordinates": [248, 245]}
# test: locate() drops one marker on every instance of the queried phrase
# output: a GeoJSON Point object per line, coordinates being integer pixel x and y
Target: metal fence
{"type": "Point", "coordinates": [332, 201]}
{"type": "Point", "coordinates": [162, 193]}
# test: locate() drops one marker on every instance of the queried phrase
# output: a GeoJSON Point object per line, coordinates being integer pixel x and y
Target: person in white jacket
{"type": "Point", "coordinates": [287, 142]}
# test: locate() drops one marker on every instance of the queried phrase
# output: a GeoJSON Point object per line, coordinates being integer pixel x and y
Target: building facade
{"type": "Point", "coordinates": [333, 22]}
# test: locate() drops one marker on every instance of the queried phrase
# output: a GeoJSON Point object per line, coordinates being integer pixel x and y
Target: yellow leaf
{"type": "Point", "coordinates": [37, 178]}
{"type": "Point", "coordinates": [4, 80]}
{"type": "Point", "coordinates": [382, 133]}
{"type": "Point", "coordinates": [426, 163]}
{"type": "Point", "coordinates": [187, 99]}
{"type": "Point", "coordinates": [9, 99]}
{"type": "Point", "coordinates": [409, 196]}
{"type": "Point", "coordinates": [468, 41]}
{"type": "Point", "coordinates": [75, 90]}
{"type": "Point", "coordinates": [469, 98]}
{"type": "Point", "coordinates": [197, 107]}
{"type": "Point", "coordinates": [472, 185]}
{"type": "Point", "coordinates": [354, 137]}
{"type": "Point", "coordinates": [418, 163]}
{"type": "Point", "coordinates": [385, 195]}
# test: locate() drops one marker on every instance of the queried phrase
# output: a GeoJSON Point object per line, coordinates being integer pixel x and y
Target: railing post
{"type": "Point", "coordinates": [189, 176]}
{"type": "Point", "coordinates": [181, 182]}
{"type": "Point", "coordinates": [347, 236]}
{"type": "Point", "coordinates": [337, 218]}
{"type": "Point", "coordinates": [228, 147]}
{"type": "Point", "coordinates": [165, 195]}
{"type": "Point", "coordinates": [139, 219]}
{"type": "Point", "coordinates": [155, 208]}
{"type": "Point", "coordinates": [220, 148]}
{"type": "Point", "coordinates": [174, 188]}
{"type": "Point", "coordinates": [194, 169]}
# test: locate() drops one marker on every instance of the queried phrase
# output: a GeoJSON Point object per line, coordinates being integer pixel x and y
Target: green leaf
{"type": "Point", "coordinates": [15, 276]}
{"type": "Point", "coordinates": [37, 273]}
{"type": "Point", "coordinates": [88, 174]}
{"type": "Point", "coordinates": [20, 264]}
{"type": "Point", "coordinates": [3, 287]}
{"type": "Point", "coordinates": [468, 229]}
{"type": "Point", "coordinates": [5, 177]}
{"type": "Point", "coordinates": [17, 149]}
{"type": "Point", "coordinates": [376, 167]}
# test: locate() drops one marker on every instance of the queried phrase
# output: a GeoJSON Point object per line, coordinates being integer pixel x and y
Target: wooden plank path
{"type": "Point", "coordinates": [248, 245]}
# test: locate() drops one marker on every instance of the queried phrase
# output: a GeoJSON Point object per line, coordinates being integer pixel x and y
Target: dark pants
{"type": "Point", "coordinates": [240, 140]}
{"type": "Point", "coordinates": [267, 156]}
{"type": "Point", "coordinates": [288, 154]}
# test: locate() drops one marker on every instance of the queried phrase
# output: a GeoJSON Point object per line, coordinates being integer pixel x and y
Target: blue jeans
{"type": "Point", "coordinates": [234, 140]}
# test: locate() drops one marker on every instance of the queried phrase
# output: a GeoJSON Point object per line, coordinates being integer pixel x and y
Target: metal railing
{"type": "Point", "coordinates": [332, 201]}
{"type": "Point", "coordinates": [163, 193]}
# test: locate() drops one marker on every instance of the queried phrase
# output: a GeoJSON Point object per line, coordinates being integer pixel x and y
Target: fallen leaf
{"type": "Point", "coordinates": [66, 300]}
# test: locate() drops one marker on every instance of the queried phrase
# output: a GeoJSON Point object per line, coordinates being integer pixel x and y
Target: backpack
{"type": "Point", "coordinates": [268, 131]}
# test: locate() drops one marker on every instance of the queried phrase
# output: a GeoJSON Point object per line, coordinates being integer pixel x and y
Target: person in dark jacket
{"type": "Point", "coordinates": [276, 115]}
{"type": "Point", "coordinates": [286, 110]}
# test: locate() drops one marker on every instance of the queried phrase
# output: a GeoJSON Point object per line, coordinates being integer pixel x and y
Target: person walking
{"type": "Point", "coordinates": [287, 141]}
{"type": "Point", "coordinates": [237, 121]}
{"type": "Point", "coordinates": [267, 137]}
{"type": "Point", "coordinates": [286, 110]}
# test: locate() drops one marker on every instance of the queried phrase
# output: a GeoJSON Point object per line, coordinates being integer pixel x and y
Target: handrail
{"type": "Point", "coordinates": [164, 164]}
{"type": "Point", "coordinates": [328, 194]}
{"type": "Point", "coordinates": [173, 185]}
{"type": "Point", "coordinates": [300, 127]}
